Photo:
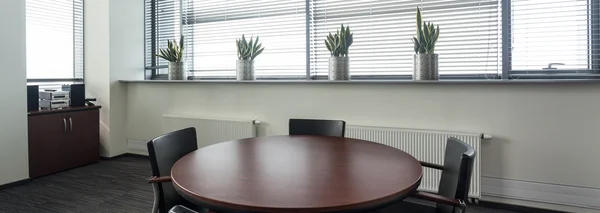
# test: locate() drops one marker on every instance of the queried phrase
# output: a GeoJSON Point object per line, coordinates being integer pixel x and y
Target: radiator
{"type": "Point", "coordinates": [425, 145]}
{"type": "Point", "coordinates": [211, 130]}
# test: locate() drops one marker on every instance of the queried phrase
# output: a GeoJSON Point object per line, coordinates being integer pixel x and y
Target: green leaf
{"type": "Point", "coordinates": [350, 39]}
{"type": "Point", "coordinates": [431, 29]}
{"type": "Point", "coordinates": [256, 43]}
{"type": "Point", "coordinates": [416, 42]}
{"type": "Point", "coordinates": [181, 42]}
{"type": "Point", "coordinates": [247, 49]}
{"type": "Point", "coordinates": [237, 47]}
{"type": "Point", "coordinates": [180, 54]}
{"type": "Point", "coordinates": [160, 56]}
{"type": "Point", "coordinates": [426, 32]}
{"type": "Point", "coordinates": [336, 40]}
{"type": "Point", "coordinates": [172, 56]}
{"type": "Point", "coordinates": [437, 33]}
{"type": "Point", "coordinates": [164, 53]}
{"type": "Point", "coordinates": [419, 20]}
{"type": "Point", "coordinates": [342, 45]}
{"type": "Point", "coordinates": [257, 53]}
{"type": "Point", "coordinates": [251, 46]}
{"type": "Point", "coordinates": [347, 30]}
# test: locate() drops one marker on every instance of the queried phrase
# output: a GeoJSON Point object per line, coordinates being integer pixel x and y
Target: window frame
{"type": "Point", "coordinates": [507, 73]}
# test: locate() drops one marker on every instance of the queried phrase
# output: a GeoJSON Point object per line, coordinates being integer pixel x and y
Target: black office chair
{"type": "Point", "coordinates": [454, 184]}
{"type": "Point", "coordinates": [164, 151]}
{"type": "Point", "coordinates": [334, 128]}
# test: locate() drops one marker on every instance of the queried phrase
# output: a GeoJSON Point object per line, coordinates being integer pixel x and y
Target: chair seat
{"type": "Point", "coordinates": [409, 207]}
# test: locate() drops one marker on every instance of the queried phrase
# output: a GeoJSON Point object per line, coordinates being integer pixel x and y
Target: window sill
{"type": "Point", "coordinates": [478, 81]}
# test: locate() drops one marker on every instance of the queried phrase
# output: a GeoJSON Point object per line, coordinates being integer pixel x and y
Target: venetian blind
{"type": "Point", "coordinates": [214, 25]}
{"type": "Point", "coordinates": [554, 36]}
{"type": "Point", "coordinates": [469, 42]}
{"type": "Point", "coordinates": [163, 23]}
{"type": "Point", "coordinates": [54, 39]}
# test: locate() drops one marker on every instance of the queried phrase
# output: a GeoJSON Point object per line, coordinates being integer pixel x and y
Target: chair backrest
{"type": "Point", "coordinates": [456, 176]}
{"type": "Point", "coordinates": [334, 128]}
{"type": "Point", "coordinates": [164, 151]}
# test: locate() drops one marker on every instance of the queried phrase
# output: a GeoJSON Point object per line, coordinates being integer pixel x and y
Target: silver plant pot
{"type": "Point", "coordinates": [339, 68]}
{"type": "Point", "coordinates": [176, 71]}
{"type": "Point", "coordinates": [425, 67]}
{"type": "Point", "coordinates": [245, 69]}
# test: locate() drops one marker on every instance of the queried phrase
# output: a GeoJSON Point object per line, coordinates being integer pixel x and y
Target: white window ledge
{"type": "Point", "coordinates": [492, 81]}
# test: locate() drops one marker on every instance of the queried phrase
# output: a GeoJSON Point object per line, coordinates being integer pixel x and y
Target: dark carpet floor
{"type": "Point", "coordinates": [110, 186]}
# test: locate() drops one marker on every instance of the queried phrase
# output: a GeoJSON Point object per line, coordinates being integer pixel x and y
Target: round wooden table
{"type": "Point", "coordinates": [296, 174]}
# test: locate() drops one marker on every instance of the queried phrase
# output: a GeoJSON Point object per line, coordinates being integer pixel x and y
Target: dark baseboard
{"type": "Point", "coordinates": [515, 208]}
{"type": "Point", "coordinates": [125, 155]}
{"type": "Point", "coordinates": [16, 183]}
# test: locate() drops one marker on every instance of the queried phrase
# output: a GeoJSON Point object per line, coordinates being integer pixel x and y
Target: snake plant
{"type": "Point", "coordinates": [339, 43]}
{"type": "Point", "coordinates": [173, 52]}
{"type": "Point", "coordinates": [248, 50]}
{"type": "Point", "coordinates": [427, 36]}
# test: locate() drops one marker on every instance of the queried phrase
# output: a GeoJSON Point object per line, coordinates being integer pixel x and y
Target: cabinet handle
{"type": "Point", "coordinates": [65, 123]}
{"type": "Point", "coordinates": [71, 124]}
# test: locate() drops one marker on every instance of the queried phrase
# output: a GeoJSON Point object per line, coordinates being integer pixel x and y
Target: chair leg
{"type": "Point", "coordinates": [463, 206]}
{"type": "Point", "coordinates": [156, 191]}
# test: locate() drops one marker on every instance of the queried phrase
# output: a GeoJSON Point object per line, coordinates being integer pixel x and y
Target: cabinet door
{"type": "Point", "coordinates": [84, 142]}
{"type": "Point", "coordinates": [46, 134]}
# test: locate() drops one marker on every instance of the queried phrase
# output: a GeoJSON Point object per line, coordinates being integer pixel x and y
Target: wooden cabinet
{"type": "Point", "coordinates": [63, 139]}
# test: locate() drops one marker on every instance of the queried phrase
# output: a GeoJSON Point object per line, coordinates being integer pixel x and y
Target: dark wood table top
{"type": "Point", "coordinates": [296, 174]}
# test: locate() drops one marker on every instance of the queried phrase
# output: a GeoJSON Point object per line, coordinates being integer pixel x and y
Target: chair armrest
{"type": "Point", "coordinates": [161, 179]}
{"type": "Point", "coordinates": [431, 165]}
{"type": "Point", "coordinates": [441, 199]}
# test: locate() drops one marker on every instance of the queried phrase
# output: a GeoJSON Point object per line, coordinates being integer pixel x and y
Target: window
{"type": "Point", "coordinates": [556, 37]}
{"type": "Point", "coordinates": [214, 25]}
{"type": "Point", "coordinates": [54, 39]}
{"type": "Point", "coordinates": [479, 38]}
{"type": "Point", "coordinates": [163, 23]}
{"type": "Point", "coordinates": [468, 42]}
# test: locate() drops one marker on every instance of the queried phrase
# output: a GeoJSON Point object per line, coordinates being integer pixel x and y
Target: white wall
{"type": "Point", "coordinates": [543, 133]}
{"type": "Point", "coordinates": [114, 39]}
{"type": "Point", "coordinates": [126, 62]}
{"type": "Point", "coordinates": [97, 64]}
{"type": "Point", "coordinates": [13, 107]}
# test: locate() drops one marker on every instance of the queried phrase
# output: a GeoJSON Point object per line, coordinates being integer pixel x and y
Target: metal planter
{"type": "Point", "coordinates": [425, 67]}
{"type": "Point", "coordinates": [245, 69]}
{"type": "Point", "coordinates": [339, 68]}
{"type": "Point", "coordinates": [176, 71]}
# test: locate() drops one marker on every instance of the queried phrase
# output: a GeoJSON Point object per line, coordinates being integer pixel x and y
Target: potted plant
{"type": "Point", "coordinates": [339, 62]}
{"type": "Point", "coordinates": [174, 54]}
{"type": "Point", "coordinates": [425, 60]}
{"type": "Point", "coordinates": [246, 52]}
